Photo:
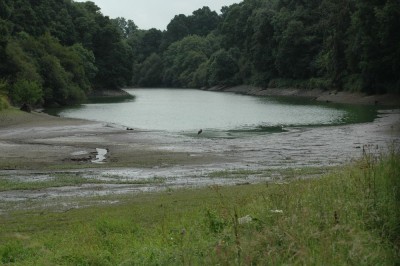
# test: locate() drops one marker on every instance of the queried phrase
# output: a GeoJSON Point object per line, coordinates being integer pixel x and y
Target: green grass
{"type": "Point", "coordinates": [348, 216]}
{"type": "Point", "coordinates": [56, 180]}
{"type": "Point", "coordinates": [281, 173]}
{"type": "Point", "coordinates": [61, 180]}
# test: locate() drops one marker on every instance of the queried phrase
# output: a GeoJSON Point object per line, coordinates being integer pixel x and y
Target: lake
{"type": "Point", "coordinates": [217, 113]}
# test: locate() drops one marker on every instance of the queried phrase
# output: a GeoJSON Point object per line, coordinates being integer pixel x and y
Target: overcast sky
{"type": "Point", "coordinates": [155, 13]}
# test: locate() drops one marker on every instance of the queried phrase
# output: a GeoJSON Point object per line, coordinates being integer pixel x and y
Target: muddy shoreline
{"type": "Point", "coordinates": [37, 147]}
{"type": "Point", "coordinates": [388, 100]}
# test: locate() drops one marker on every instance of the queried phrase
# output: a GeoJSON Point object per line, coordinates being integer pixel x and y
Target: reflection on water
{"type": "Point", "coordinates": [218, 114]}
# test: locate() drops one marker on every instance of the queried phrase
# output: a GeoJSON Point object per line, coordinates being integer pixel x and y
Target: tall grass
{"type": "Point", "coordinates": [348, 216]}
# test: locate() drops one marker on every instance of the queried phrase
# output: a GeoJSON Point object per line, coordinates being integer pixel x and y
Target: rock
{"type": "Point", "coordinates": [245, 220]}
{"type": "Point", "coordinates": [277, 211]}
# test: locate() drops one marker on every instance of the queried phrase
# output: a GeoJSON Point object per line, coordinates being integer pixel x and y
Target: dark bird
{"type": "Point", "coordinates": [198, 133]}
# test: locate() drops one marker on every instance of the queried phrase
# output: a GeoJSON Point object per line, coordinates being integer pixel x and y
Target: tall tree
{"type": "Point", "coordinates": [335, 20]}
{"type": "Point", "coordinates": [183, 58]}
{"type": "Point", "coordinates": [150, 72]}
{"type": "Point", "coordinates": [203, 21]}
{"type": "Point", "coordinates": [222, 69]}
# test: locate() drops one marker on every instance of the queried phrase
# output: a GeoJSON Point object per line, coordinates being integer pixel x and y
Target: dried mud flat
{"type": "Point", "coordinates": [49, 162]}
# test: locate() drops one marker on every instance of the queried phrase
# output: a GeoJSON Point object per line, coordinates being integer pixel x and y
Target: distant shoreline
{"type": "Point", "coordinates": [334, 96]}
{"type": "Point", "coordinates": [109, 93]}
{"type": "Point", "coordinates": [390, 100]}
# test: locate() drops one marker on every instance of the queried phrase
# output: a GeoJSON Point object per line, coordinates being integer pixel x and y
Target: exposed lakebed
{"type": "Point", "coordinates": [152, 159]}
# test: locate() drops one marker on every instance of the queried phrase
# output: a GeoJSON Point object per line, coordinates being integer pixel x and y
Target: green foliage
{"type": "Point", "coordinates": [222, 69]}
{"type": "Point", "coordinates": [150, 72]}
{"type": "Point", "coordinates": [346, 44]}
{"type": "Point", "coordinates": [183, 59]}
{"type": "Point", "coordinates": [65, 73]}
{"type": "Point", "coordinates": [215, 223]}
{"type": "Point", "coordinates": [150, 42]}
{"type": "Point", "coordinates": [200, 77]}
{"type": "Point", "coordinates": [127, 27]}
{"type": "Point", "coordinates": [88, 60]}
{"type": "Point", "coordinates": [22, 65]}
{"type": "Point", "coordinates": [25, 91]}
{"type": "Point", "coordinates": [68, 48]}
{"type": "Point", "coordinates": [371, 53]}
{"type": "Point", "coordinates": [202, 22]}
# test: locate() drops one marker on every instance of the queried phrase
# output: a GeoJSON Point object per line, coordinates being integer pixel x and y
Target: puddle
{"type": "Point", "coordinates": [101, 156]}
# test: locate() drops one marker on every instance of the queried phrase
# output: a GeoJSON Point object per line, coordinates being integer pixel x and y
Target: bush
{"type": "Point", "coordinates": [4, 104]}
{"type": "Point", "coordinates": [25, 91]}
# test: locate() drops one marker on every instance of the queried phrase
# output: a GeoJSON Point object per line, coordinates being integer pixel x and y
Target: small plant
{"type": "Point", "coordinates": [215, 223]}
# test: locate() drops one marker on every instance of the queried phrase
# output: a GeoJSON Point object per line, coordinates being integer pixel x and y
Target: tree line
{"type": "Point", "coordinates": [57, 51]}
{"type": "Point", "coordinates": [347, 45]}
{"type": "Point", "coordinates": [54, 52]}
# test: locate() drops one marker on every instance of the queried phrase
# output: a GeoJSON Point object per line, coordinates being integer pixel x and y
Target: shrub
{"type": "Point", "coordinates": [25, 91]}
{"type": "Point", "coordinates": [3, 103]}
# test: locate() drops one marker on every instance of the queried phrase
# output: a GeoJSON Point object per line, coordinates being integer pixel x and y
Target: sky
{"type": "Point", "coordinates": [155, 13]}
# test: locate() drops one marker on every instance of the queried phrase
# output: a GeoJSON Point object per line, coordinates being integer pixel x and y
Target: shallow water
{"type": "Point", "coordinates": [101, 156]}
{"type": "Point", "coordinates": [218, 114]}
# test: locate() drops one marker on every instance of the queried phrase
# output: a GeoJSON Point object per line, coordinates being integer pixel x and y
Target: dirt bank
{"type": "Point", "coordinates": [40, 141]}
{"type": "Point", "coordinates": [109, 93]}
{"type": "Point", "coordinates": [316, 94]}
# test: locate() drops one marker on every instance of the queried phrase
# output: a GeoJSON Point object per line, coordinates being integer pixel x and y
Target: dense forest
{"type": "Point", "coordinates": [55, 52]}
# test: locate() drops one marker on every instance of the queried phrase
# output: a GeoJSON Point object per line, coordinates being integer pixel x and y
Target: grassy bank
{"type": "Point", "coordinates": [348, 216]}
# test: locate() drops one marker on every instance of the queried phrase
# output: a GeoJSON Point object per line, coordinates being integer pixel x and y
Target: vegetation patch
{"type": "Point", "coordinates": [56, 180]}
{"type": "Point", "coordinates": [280, 173]}
{"type": "Point", "coordinates": [70, 179]}
{"type": "Point", "coordinates": [236, 173]}
{"type": "Point", "coordinates": [347, 216]}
